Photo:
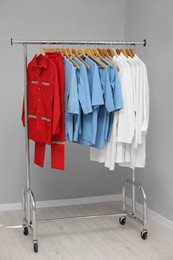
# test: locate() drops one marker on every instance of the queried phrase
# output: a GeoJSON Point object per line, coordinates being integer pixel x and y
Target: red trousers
{"type": "Point", "coordinates": [57, 155]}
{"type": "Point", "coordinates": [57, 146]}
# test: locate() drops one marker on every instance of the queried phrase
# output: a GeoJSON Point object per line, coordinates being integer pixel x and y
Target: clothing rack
{"type": "Point", "coordinates": [29, 204]}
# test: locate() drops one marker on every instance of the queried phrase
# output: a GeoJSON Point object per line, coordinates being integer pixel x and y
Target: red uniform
{"type": "Point", "coordinates": [44, 109]}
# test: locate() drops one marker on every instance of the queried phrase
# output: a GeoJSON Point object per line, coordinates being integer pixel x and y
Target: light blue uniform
{"type": "Point", "coordinates": [104, 109]}
{"type": "Point", "coordinates": [71, 98]}
{"type": "Point", "coordinates": [117, 97]}
{"type": "Point", "coordinates": [89, 121]}
{"type": "Point", "coordinates": [84, 97]}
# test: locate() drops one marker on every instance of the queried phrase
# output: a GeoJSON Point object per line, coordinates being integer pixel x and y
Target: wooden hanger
{"type": "Point", "coordinates": [124, 52]}
{"type": "Point", "coordinates": [132, 52]}
{"type": "Point", "coordinates": [112, 52]}
{"type": "Point", "coordinates": [97, 53]}
{"type": "Point", "coordinates": [81, 52]}
{"type": "Point", "coordinates": [65, 54]}
{"type": "Point", "coordinates": [92, 51]}
{"type": "Point", "coordinates": [69, 51]}
{"type": "Point", "coordinates": [129, 53]}
{"type": "Point", "coordinates": [40, 52]}
{"type": "Point", "coordinates": [74, 51]}
{"type": "Point", "coordinates": [107, 54]}
{"type": "Point", "coordinates": [74, 63]}
{"type": "Point", "coordinates": [50, 49]}
{"type": "Point", "coordinates": [88, 52]}
{"type": "Point", "coordinates": [101, 52]}
{"type": "Point", "coordinates": [118, 51]}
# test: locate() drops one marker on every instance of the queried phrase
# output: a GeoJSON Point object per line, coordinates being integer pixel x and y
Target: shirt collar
{"type": "Point", "coordinates": [43, 61]}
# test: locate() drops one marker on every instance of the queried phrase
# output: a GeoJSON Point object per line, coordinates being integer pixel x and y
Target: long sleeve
{"type": "Point", "coordinates": [126, 115]}
{"type": "Point", "coordinates": [56, 110]}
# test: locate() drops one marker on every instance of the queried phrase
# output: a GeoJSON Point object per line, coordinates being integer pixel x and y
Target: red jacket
{"type": "Point", "coordinates": [43, 100]}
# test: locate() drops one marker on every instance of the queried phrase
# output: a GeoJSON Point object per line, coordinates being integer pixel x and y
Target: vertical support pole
{"type": "Point", "coordinates": [27, 152]}
{"type": "Point", "coordinates": [34, 220]}
{"type": "Point", "coordinates": [124, 197]}
{"type": "Point", "coordinates": [24, 206]}
{"type": "Point", "coordinates": [145, 209]}
{"type": "Point", "coordinates": [133, 193]}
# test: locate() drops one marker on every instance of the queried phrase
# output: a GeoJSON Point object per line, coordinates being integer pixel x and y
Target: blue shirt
{"type": "Point", "coordinates": [89, 121]}
{"type": "Point", "coordinates": [104, 109]}
{"type": "Point", "coordinates": [71, 98]}
{"type": "Point", "coordinates": [117, 97]}
{"type": "Point", "coordinates": [84, 97]}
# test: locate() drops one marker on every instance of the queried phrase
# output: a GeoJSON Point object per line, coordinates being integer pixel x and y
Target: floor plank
{"type": "Point", "coordinates": [84, 239]}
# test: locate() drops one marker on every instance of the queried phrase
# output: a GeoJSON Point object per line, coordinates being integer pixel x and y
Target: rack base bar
{"type": "Point", "coordinates": [84, 217]}
{"type": "Point", "coordinates": [128, 214]}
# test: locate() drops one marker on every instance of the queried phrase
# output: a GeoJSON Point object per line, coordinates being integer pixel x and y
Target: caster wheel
{"type": "Point", "coordinates": [122, 220]}
{"type": "Point", "coordinates": [35, 247]}
{"type": "Point", "coordinates": [25, 231]}
{"type": "Point", "coordinates": [144, 234]}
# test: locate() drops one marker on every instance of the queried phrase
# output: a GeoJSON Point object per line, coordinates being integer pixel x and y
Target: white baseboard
{"type": "Point", "coordinates": [152, 214]}
{"type": "Point", "coordinates": [78, 201]}
{"type": "Point", "coordinates": [10, 206]}
{"type": "Point", "coordinates": [87, 200]}
{"type": "Point", "coordinates": [63, 202]}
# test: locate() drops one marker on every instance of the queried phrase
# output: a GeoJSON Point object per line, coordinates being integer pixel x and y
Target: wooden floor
{"type": "Point", "coordinates": [87, 239]}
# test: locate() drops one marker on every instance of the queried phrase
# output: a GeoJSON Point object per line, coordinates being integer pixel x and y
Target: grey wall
{"type": "Point", "coordinates": [49, 20]}
{"type": "Point", "coordinates": [153, 20]}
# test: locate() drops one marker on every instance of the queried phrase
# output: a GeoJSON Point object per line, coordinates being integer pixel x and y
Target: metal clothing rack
{"type": "Point", "coordinates": [29, 204]}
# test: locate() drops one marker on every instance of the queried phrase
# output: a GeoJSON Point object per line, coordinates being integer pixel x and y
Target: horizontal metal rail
{"type": "Point", "coordinates": [65, 42]}
{"type": "Point", "coordinates": [85, 217]}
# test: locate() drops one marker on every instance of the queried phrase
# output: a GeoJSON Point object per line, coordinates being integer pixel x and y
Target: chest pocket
{"type": "Point", "coordinates": [46, 84]}
{"type": "Point", "coordinates": [45, 89]}
{"type": "Point", "coordinates": [34, 82]}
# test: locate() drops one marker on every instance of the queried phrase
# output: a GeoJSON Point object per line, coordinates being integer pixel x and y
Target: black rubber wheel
{"type": "Point", "coordinates": [35, 247]}
{"type": "Point", "coordinates": [122, 220]}
{"type": "Point", "coordinates": [25, 231]}
{"type": "Point", "coordinates": [144, 235]}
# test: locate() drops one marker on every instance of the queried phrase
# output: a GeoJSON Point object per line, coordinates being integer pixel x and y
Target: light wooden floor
{"type": "Point", "coordinates": [89, 239]}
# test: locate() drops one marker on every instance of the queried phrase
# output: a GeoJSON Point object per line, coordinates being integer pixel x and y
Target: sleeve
{"type": "Point", "coordinates": [73, 99]}
{"type": "Point", "coordinates": [118, 99]}
{"type": "Point", "coordinates": [23, 114]}
{"type": "Point", "coordinates": [97, 91]}
{"type": "Point", "coordinates": [146, 103]}
{"type": "Point", "coordinates": [56, 111]}
{"type": "Point", "coordinates": [126, 115]}
{"type": "Point", "coordinates": [143, 106]}
{"type": "Point", "coordinates": [108, 94]}
{"type": "Point", "coordinates": [84, 92]}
